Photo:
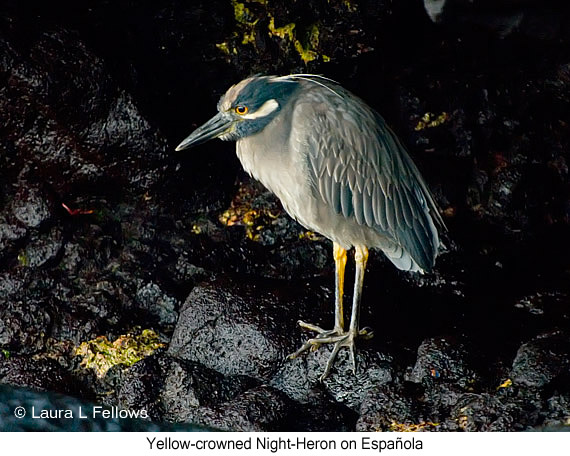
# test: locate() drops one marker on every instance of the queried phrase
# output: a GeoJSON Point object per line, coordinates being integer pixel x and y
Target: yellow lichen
{"type": "Point", "coordinates": [307, 55]}
{"type": "Point", "coordinates": [249, 36]}
{"type": "Point", "coordinates": [285, 32]}
{"type": "Point", "coordinates": [508, 382]}
{"type": "Point", "coordinates": [351, 7]}
{"type": "Point", "coordinates": [225, 48]}
{"type": "Point", "coordinates": [305, 41]}
{"type": "Point", "coordinates": [307, 52]}
{"type": "Point", "coordinates": [430, 120]}
{"type": "Point", "coordinates": [100, 354]}
{"type": "Point", "coordinates": [23, 259]}
{"type": "Point", "coordinates": [313, 40]}
{"type": "Point", "coordinates": [411, 427]}
{"type": "Point", "coordinates": [463, 421]}
{"type": "Point", "coordinates": [246, 20]}
{"type": "Point", "coordinates": [310, 236]}
{"type": "Point", "coordinates": [239, 11]}
{"type": "Point", "coordinates": [243, 213]}
{"type": "Point", "coordinates": [249, 218]}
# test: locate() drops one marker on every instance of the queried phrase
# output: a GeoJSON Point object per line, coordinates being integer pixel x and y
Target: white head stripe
{"type": "Point", "coordinates": [264, 110]}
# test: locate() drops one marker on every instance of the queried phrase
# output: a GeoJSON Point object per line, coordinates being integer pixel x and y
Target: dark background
{"type": "Point", "coordinates": [95, 96]}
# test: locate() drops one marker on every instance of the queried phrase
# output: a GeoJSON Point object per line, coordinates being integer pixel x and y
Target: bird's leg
{"type": "Point", "coordinates": [339, 255]}
{"type": "Point", "coordinates": [360, 258]}
{"type": "Point", "coordinates": [340, 263]}
{"type": "Point", "coordinates": [347, 339]}
{"type": "Point", "coordinates": [323, 335]}
{"type": "Point", "coordinates": [338, 336]}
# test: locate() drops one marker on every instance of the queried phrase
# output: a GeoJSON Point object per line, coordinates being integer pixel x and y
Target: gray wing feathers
{"type": "Point", "coordinates": [362, 170]}
{"type": "Point", "coordinates": [379, 203]}
{"type": "Point", "coordinates": [367, 207]}
{"type": "Point", "coordinates": [346, 200]}
{"type": "Point", "coordinates": [336, 195]}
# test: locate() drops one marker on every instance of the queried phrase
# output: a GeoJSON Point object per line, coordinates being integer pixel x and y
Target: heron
{"type": "Point", "coordinates": [340, 171]}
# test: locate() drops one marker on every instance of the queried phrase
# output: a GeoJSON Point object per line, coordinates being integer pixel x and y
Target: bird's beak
{"type": "Point", "coordinates": [216, 126]}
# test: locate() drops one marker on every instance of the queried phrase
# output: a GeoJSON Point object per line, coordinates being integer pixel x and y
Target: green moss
{"type": "Point", "coordinates": [100, 354]}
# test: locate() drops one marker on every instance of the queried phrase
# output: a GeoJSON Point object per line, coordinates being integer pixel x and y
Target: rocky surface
{"type": "Point", "coordinates": [113, 246]}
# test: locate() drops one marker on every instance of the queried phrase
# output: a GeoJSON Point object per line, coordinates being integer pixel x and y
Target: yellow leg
{"type": "Point", "coordinates": [360, 259]}
{"type": "Point", "coordinates": [340, 263]}
{"type": "Point", "coordinates": [338, 336]}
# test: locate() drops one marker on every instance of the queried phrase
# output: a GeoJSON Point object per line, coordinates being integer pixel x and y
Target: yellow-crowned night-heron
{"type": "Point", "coordinates": [338, 170]}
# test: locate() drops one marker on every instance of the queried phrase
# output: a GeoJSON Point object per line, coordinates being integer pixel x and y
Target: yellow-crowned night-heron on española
{"type": "Point", "coordinates": [338, 170]}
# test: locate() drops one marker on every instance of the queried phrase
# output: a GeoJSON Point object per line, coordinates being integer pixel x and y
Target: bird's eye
{"type": "Point", "coordinates": [241, 110]}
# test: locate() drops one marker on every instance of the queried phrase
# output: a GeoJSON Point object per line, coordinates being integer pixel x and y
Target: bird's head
{"type": "Point", "coordinates": [244, 110]}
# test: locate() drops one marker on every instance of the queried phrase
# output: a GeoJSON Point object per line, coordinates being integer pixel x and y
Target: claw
{"type": "Point", "coordinates": [352, 355]}
{"type": "Point", "coordinates": [330, 361]}
{"type": "Point", "coordinates": [338, 338]}
{"type": "Point", "coordinates": [310, 327]}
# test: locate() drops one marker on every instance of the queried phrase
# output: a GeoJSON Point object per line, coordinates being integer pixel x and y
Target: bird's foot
{"type": "Point", "coordinates": [338, 337]}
